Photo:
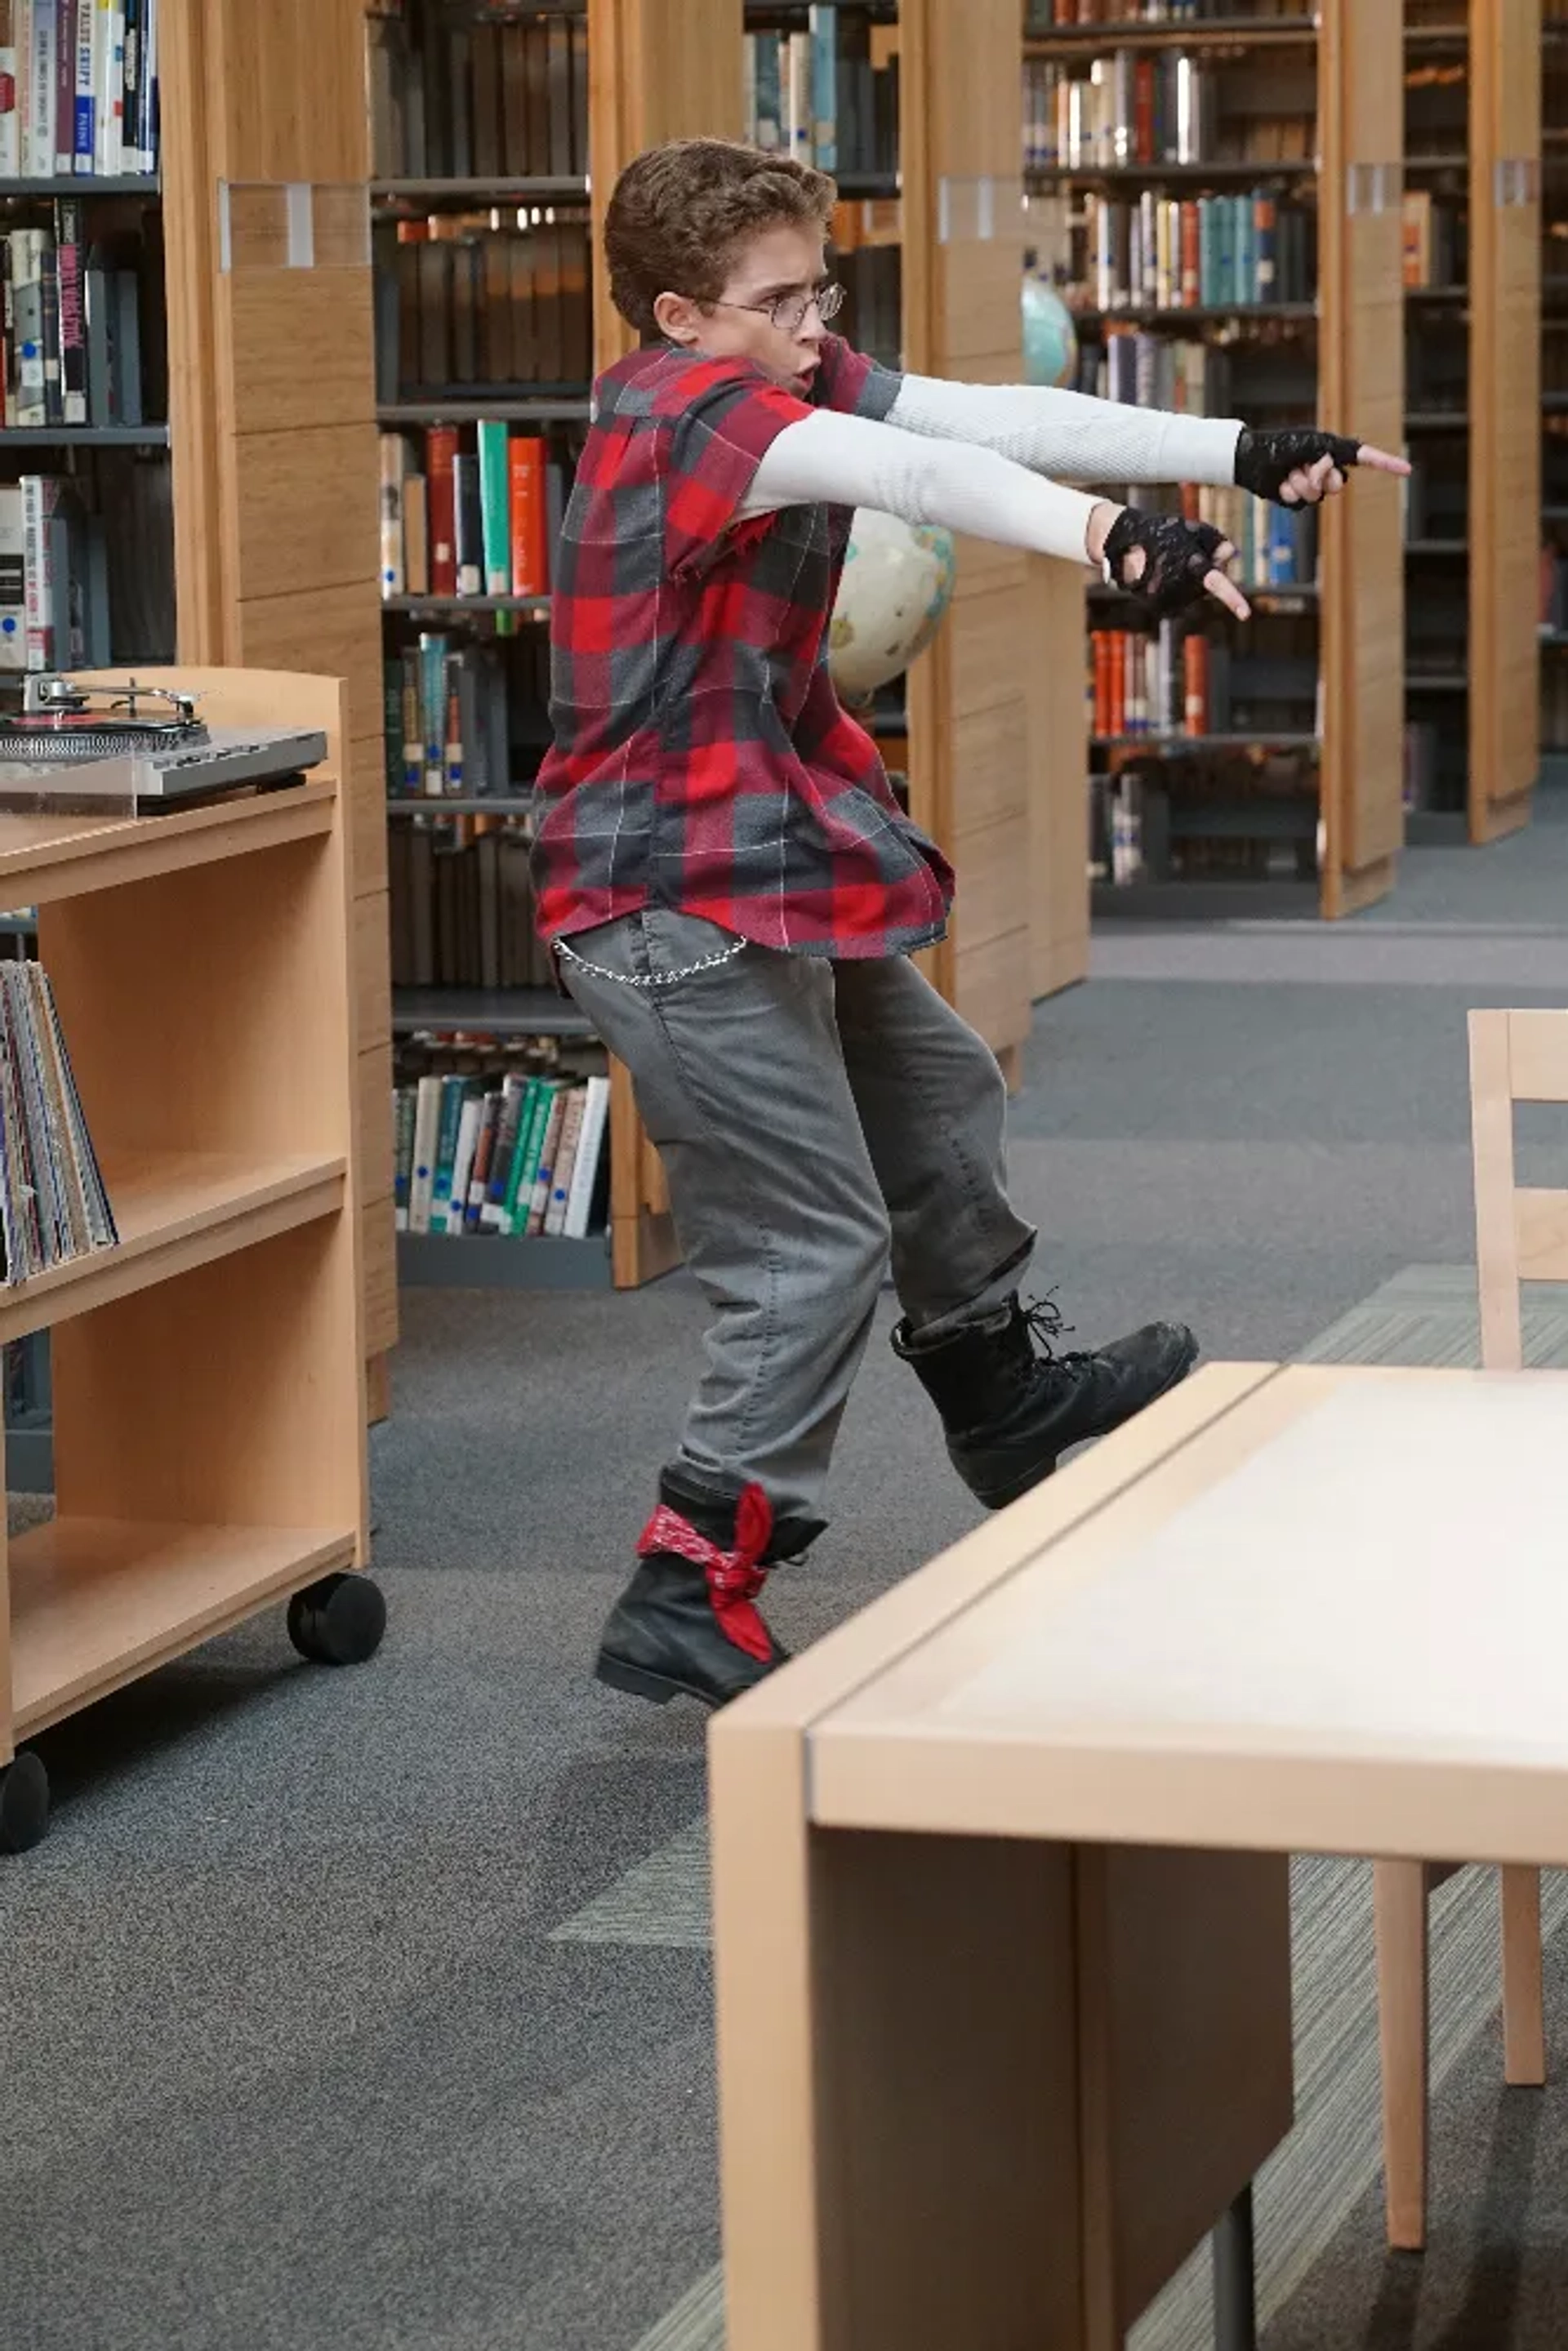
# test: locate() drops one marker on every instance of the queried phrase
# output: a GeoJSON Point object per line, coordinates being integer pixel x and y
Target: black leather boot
{"type": "Point", "coordinates": [687, 1625]}
{"type": "Point", "coordinates": [1010, 1405]}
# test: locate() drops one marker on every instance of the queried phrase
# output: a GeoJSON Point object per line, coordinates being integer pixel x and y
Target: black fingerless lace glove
{"type": "Point", "coordinates": [1266, 460]}
{"type": "Point", "coordinates": [1177, 558]}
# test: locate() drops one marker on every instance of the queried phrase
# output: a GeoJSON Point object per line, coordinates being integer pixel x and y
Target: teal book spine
{"type": "Point", "coordinates": [454, 1091]}
{"type": "Point", "coordinates": [495, 492]}
{"type": "Point", "coordinates": [823, 23]}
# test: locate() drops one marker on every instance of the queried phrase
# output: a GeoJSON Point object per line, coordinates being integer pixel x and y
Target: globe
{"type": "Point", "coordinates": [1049, 336]}
{"type": "Point", "coordinates": [897, 583]}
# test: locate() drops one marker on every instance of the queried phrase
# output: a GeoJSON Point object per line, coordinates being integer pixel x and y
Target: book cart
{"type": "Point", "coordinates": [1261, 770]}
{"type": "Point", "coordinates": [208, 1369]}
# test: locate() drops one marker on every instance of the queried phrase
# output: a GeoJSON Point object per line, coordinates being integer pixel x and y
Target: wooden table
{"type": "Point", "coordinates": [1000, 1868]}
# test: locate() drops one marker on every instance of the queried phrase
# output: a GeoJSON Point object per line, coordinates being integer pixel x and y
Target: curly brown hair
{"type": "Point", "coordinates": [678, 212]}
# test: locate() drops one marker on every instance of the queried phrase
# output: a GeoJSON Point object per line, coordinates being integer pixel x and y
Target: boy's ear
{"type": "Point", "coordinates": [677, 318]}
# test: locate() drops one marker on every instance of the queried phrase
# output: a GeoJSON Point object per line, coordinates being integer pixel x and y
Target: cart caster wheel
{"type": "Point", "coordinates": [339, 1621]}
{"type": "Point", "coordinates": [23, 1803]}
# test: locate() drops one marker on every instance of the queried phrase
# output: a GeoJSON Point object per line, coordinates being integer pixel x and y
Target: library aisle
{"type": "Point", "coordinates": [466, 2098]}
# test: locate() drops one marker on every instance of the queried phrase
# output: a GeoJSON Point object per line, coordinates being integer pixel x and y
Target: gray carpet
{"type": "Point", "coordinates": [339, 2010]}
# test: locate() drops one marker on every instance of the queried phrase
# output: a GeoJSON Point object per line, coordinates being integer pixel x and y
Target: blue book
{"type": "Point", "coordinates": [823, 21]}
{"type": "Point", "coordinates": [769, 128]}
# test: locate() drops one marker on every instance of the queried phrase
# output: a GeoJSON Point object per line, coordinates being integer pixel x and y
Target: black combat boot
{"type": "Point", "coordinates": [687, 1625]}
{"type": "Point", "coordinates": [1010, 1405]}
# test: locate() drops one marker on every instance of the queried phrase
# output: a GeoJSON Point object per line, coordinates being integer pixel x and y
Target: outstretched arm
{"type": "Point", "coordinates": [829, 457]}
{"type": "Point", "coordinates": [1076, 437]}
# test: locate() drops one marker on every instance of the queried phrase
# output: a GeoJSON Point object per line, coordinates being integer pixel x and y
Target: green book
{"type": "Point", "coordinates": [452, 1092]}
{"type": "Point", "coordinates": [493, 495]}
{"type": "Point", "coordinates": [525, 1167]}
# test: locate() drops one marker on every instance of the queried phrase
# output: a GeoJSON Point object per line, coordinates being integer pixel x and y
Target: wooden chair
{"type": "Point", "coordinates": [1520, 1235]}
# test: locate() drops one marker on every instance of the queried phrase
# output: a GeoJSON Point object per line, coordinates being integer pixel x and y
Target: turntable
{"type": "Point", "coordinates": [72, 749]}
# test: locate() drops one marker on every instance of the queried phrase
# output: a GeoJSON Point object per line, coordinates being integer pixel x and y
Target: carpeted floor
{"type": "Point", "coordinates": [373, 2010]}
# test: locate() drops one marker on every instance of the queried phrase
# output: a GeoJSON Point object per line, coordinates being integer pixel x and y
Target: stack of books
{"type": "Point", "coordinates": [827, 96]}
{"type": "Point", "coordinates": [52, 1204]}
{"type": "Point", "coordinates": [1212, 252]}
{"type": "Point", "coordinates": [462, 906]}
{"type": "Point", "coordinates": [495, 301]}
{"type": "Point", "coordinates": [73, 307]}
{"type": "Point", "coordinates": [463, 723]}
{"type": "Point", "coordinates": [526, 1159]}
{"type": "Point", "coordinates": [470, 510]}
{"type": "Point", "coordinates": [79, 88]}
{"type": "Point", "coordinates": [488, 91]}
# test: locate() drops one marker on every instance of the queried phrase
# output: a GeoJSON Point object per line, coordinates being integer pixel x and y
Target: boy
{"type": "Point", "coordinates": [733, 893]}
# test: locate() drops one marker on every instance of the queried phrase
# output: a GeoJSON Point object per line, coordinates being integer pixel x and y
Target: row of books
{"type": "Point", "coordinates": [1435, 240]}
{"type": "Point", "coordinates": [55, 599]}
{"type": "Point", "coordinates": [469, 510]}
{"type": "Point", "coordinates": [827, 96]}
{"type": "Point", "coordinates": [79, 88]}
{"type": "Point", "coordinates": [1214, 251]}
{"type": "Point", "coordinates": [1051, 15]}
{"type": "Point", "coordinates": [52, 1204]}
{"type": "Point", "coordinates": [72, 325]}
{"type": "Point", "coordinates": [462, 905]}
{"type": "Point", "coordinates": [1146, 108]}
{"type": "Point", "coordinates": [464, 720]}
{"type": "Point", "coordinates": [1169, 681]}
{"type": "Point", "coordinates": [524, 1159]}
{"type": "Point", "coordinates": [1147, 822]}
{"type": "Point", "coordinates": [1150, 371]}
{"type": "Point", "coordinates": [456, 95]}
{"type": "Point", "coordinates": [490, 299]}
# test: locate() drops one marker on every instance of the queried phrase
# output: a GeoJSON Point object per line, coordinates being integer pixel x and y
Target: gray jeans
{"type": "Point", "coordinates": [811, 1117]}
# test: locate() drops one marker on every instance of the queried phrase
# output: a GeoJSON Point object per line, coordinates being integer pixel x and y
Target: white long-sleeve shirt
{"type": "Point", "coordinates": [974, 458]}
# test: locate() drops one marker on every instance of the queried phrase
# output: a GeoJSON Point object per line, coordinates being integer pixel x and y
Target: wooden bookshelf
{"type": "Point", "coordinates": [1473, 89]}
{"type": "Point", "coordinates": [1334, 819]}
{"type": "Point", "coordinates": [263, 171]}
{"type": "Point", "coordinates": [1553, 609]}
{"type": "Point", "coordinates": [219, 1085]}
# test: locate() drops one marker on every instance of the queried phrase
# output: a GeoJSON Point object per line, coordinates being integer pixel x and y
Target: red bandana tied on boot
{"type": "Point", "coordinates": [735, 1577]}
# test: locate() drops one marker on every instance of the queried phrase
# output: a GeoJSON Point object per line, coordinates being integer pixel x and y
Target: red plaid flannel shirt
{"type": "Point", "coordinates": [701, 760]}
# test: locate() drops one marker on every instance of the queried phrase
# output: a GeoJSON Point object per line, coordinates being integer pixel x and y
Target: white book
{"type": "Point", "coordinates": [41, 69]}
{"type": "Point", "coordinates": [102, 13]}
{"type": "Point", "coordinates": [426, 1136]}
{"type": "Point", "coordinates": [585, 1167]}
{"type": "Point", "coordinates": [565, 1159]}
{"type": "Point", "coordinates": [13, 579]}
{"type": "Point", "coordinates": [462, 1161]}
{"type": "Point", "coordinates": [114, 124]}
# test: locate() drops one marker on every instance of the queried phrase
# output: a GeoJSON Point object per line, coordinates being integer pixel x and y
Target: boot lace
{"type": "Point", "coordinates": [1043, 1320]}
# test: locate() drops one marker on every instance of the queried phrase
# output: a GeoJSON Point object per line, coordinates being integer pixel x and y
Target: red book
{"type": "Point", "coordinates": [1191, 258]}
{"type": "Point", "coordinates": [440, 507]}
{"type": "Point", "coordinates": [1195, 682]}
{"type": "Point", "coordinates": [1144, 111]}
{"type": "Point", "coordinates": [1102, 680]}
{"type": "Point", "coordinates": [530, 542]}
{"type": "Point", "coordinates": [1116, 716]}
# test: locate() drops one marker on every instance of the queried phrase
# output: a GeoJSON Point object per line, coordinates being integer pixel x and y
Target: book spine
{"type": "Point", "coordinates": [529, 558]}
{"type": "Point", "coordinates": [824, 32]}
{"type": "Point", "coordinates": [432, 650]}
{"type": "Point", "coordinates": [494, 491]}
{"type": "Point", "coordinates": [10, 122]}
{"type": "Point", "coordinates": [517, 1104]}
{"type": "Point", "coordinates": [440, 458]}
{"type": "Point", "coordinates": [84, 143]}
{"type": "Point", "coordinates": [566, 1160]}
{"type": "Point", "coordinates": [468, 531]}
{"type": "Point", "coordinates": [523, 1171]}
{"type": "Point", "coordinates": [41, 89]}
{"type": "Point", "coordinates": [483, 1159]}
{"type": "Point", "coordinates": [539, 1204]}
{"type": "Point", "coordinates": [585, 1171]}
{"type": "Point", "coordinates": [402, 1153]}
{"type": "Point", "coordinates": [456, 1203]}
{"type": "Point", "coordinates": [393, 571]}
{"type": "Point", "coordinates": [426, 1140]}
{"type": "Point", "coordinates": [770, 107]}
{"type": "Point", "coordinates": [68, 252]}
{"type": "Point", "coordinates": [65, 101]}
{"type": "Point", "coordinates": [13, 579]}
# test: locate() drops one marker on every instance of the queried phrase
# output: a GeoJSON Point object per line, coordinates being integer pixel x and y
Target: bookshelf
{"type": "Point", "coordinates": [487, 135]}
{"type": "Point", "coordinates": [1218, 202]}
{"type": "Point", "coordinates": [933, 263]}
{"type": "Point", "coordinates": [185, 1502]}
{"type": "Point", "coordinates": [1553, 600]}
{"type": "Point", "coordinates": [1472, 118]}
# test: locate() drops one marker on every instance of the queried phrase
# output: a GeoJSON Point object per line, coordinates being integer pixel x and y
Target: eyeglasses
{"type": "Point", "coordinates": [788, 311]}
